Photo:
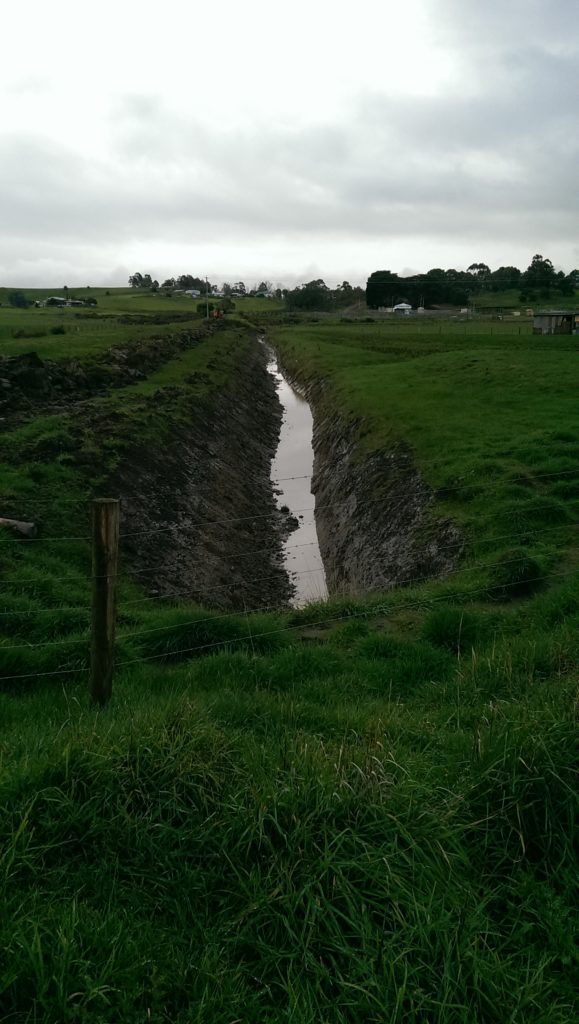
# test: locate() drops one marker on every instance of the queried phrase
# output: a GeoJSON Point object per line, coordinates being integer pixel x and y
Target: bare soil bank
{"type": "Point", "coordinates": [376, 523]}
{"type": "Point", "coordinates": [202, 513]}
{"type": "Point", "coordinates": [375, 520]}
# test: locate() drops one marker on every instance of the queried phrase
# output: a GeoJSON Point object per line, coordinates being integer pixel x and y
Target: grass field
{"type": "Point", "coordinates": [71, 332]}
{"type": "Point", "coordinates": [512, 300]}
{"type": "Point", "coordinates": [489, 417]}
{"type": "Point", "coordinates": [363, 811]}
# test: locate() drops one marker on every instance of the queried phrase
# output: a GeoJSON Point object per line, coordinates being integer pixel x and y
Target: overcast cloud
{"type": "Point", "coordinates": [287, 144]}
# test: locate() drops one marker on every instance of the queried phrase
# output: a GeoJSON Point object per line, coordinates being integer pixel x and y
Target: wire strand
{"type": "Point", "coordinates": [319, 622]}
{"type": "Point", "coordinates": [146, 571]}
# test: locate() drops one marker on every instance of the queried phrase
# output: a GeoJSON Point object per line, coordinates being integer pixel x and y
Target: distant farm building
{"type": "Point", "coordinates": [556, 321]}
{"type": "Point", "coordinates": [193, 293]}
{"type": "Point", "coordinates": [402, 307]}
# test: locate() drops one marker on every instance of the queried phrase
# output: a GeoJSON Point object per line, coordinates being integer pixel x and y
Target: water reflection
{"type": "Point", "coordinates": [295, 459]}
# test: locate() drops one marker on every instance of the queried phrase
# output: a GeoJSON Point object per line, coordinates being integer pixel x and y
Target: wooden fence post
{"type": "Point", "coordinates": [105, 560]}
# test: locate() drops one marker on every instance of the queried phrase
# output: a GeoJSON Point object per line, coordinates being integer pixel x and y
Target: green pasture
{"type": "Point", "coordinates": [75, 332]}
{"type": "Point", "coordinates": [359, 812]}
{"type": "Point", "coordinates": [488, 414]}
{"type": "Point", "coordinates": [81, 338]}
{"type": "Point", "coordinates": [511, 299]}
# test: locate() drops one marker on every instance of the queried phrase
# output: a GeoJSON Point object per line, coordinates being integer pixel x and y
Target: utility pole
{"type": "Point", "coordinates": [207, 297]}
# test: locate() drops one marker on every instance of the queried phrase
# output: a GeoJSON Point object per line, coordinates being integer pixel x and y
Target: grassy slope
{"type": "Point", "coordinates": [362, 819]}
{"type": "Point", "coordinates": [511, 300]}
{"type": "Point", "coordinates": [501, 452]}
{"type": "Point", "coordinates": [122, 301]}
{"type": "Point", "coordinates": [40, 482]}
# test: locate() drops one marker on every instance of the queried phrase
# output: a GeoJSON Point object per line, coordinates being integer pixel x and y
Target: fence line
{"type": "Point", "coordinates": [291, 547]}
{"type": "Point", "coordinates": [184, 594]}
{"type": "Point", "coordinates": [366, 613]}
{"type": "Point", "coordinates": [529, 476]}
{"type": "Point", "coordinates": [249, 518]}
{"type": "Point", "coordinates": [381, 588]}
{"type": "Point", "coordinates": [105, 585]}
{"type": "Point", "coordinates": [335, 618]}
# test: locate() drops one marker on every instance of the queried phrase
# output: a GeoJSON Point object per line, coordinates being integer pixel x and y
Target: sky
{"type": "Point", "coordinates": [259, 141]}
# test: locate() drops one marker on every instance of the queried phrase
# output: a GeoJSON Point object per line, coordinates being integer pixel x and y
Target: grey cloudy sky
{"type": "Point", "coordinates": [314, 139]}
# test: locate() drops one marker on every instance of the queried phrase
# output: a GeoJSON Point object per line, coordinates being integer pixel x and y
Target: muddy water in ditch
{"type": "Point", "coordinates": [291, 475]}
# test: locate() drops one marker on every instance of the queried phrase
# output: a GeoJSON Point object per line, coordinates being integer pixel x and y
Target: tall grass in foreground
{"type": "Point", "coordinates": [306, 835]}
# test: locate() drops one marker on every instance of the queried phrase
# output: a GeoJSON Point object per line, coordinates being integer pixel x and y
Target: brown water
{"type": "Point", "coordinates": [291, 475]}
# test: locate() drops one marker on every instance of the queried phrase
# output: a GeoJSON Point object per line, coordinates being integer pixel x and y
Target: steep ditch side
{"type": "Point", "coordinates": [376, 521]}
{"type": "Point", "coordinates": [202, 519]}
{"type": "Point", "coordinates": [377, 527]}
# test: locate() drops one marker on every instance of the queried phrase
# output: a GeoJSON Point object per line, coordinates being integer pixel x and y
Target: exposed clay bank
{"type": "Point", "coordinates": [204, 522]}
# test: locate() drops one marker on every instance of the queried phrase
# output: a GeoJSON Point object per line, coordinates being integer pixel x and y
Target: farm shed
{"type": "Point", "coordinates": [402, 307]}
{"type": "Point", "coordinates": [556, 321]}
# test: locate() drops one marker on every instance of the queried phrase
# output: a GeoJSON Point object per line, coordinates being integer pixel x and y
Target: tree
{"type": "Point", "coordinates": [18, 300]}
{"type": "Point", "coordinates": [344, 294]}
{"type": "Point", "coordinates": [226, 288]}
{"type": "Point", "coordinates": [315, 295]}
{"type": "Point", "coordinates": [539, 280]}
{"type": "Point", "coordinates": [239, 288]}
{"type": "Point", "coordinates": [169, 283]}
{"type": "Point", "coordinates": [198, 284]}
{"type": "Point", "coordinates": [505, 278]}
{"type": "Point", "coordinates": [436, 287]}
{"type": "Point", "coordinates": [481, 273]}
{"type": "Point", "coordinates": [381, 288]}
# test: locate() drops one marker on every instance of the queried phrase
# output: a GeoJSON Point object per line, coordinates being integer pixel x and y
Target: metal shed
{"type": "Point", "coordinates": [556, 321]}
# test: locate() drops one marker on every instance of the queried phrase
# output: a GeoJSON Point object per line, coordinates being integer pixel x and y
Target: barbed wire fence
{"type": "Point", "coordinates": [104, 609]}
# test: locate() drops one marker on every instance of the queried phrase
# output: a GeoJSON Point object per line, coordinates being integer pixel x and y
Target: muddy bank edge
{"type": "Point", "coordinates": [376, 518]}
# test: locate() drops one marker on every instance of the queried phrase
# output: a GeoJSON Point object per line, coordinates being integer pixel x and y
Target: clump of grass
{"type": "Point", "coordinates": [348, 634]}
{"type": "Point", "coordinates": [516, 574]}
{"type": "Point", "coordinates": [453, 628]}
{"type": "Point", "coordinates": [187, 632]}
{"type": "Point", "coordinates": [531, 513]}
{"type": "Point", "coordinates": [407, 665]}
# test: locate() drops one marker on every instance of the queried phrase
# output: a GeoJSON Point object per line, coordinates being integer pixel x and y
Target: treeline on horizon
{"type": "Point", "coordinates": [539, 282]}
{"type": "Point", "coordinates": [203, 285]}
{"type": "Point", "coordinates": [457, 287]}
